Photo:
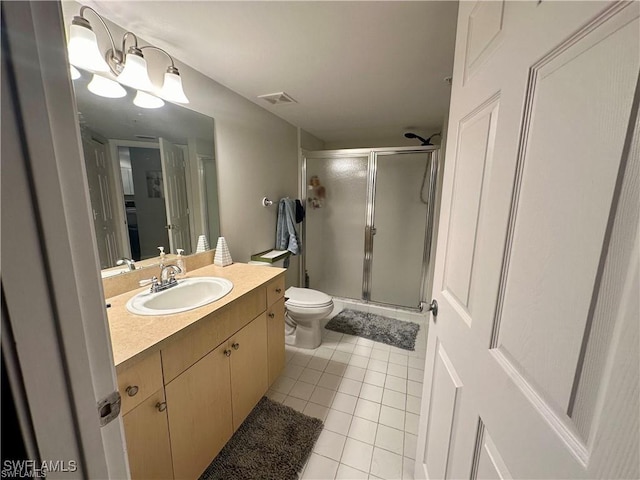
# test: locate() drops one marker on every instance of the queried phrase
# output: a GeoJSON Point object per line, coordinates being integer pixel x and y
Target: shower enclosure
{"type": "Point", "coordinates": [369, 223]}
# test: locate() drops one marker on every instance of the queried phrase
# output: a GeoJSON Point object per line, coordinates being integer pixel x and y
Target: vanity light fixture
{"type": "Point", "coordinates": [105, 87]}
{"type": "Point", "coordinates": [145, 100]}
{"type": "Point", "coordinates": [129, 68]}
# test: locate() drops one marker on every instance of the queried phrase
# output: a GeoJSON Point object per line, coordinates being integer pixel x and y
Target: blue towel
{"type": "Point", "coordinates": [286, 235]}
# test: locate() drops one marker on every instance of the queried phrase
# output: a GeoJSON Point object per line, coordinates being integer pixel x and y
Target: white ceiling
{"type": "Point", "coordinates": [358, 70]}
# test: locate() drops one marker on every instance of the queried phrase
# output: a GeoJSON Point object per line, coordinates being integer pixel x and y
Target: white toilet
{"type": "Point", "coordinates": [305, 310]}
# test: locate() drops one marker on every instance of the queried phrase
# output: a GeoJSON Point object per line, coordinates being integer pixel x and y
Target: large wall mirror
{"type": "Point", "coordinates": [151, 174]}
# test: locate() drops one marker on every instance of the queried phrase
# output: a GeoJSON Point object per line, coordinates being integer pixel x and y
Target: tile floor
{"type": "Point", "coordinates": [367, 394]}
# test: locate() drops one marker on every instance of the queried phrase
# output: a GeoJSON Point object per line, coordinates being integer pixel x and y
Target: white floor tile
{"type": "Point", "coordinates": [350, 387]}
{"type": "Point", "coordinates": [414, 388]}
{"type": "Point", "coordinates": [368, 410]}
{"type": "Point", "coordinates": [410, 445]}
{"type": "Point", "coordinates": [276, 396]}
{"type": "Point", "coordinates": [283, 385]}
{"type": "Point", "coordinates": [292, 371]}
{"type": "Point", "coordinates": [386, 465]}
{"type": "Point", "coordinates": [408, 466]}
{"type": "Point", "coordinates": [295, 403]}
{"type": "Point", "coordinates": [302, 390]}
{"type": "Point", "coordinates": [399, 351]}
{"type": "Point", "coordinates": [340, 356]}
{"type": "Point", "coordinates": [413, 404]}
{"type": "Point", "coordinates": [380, 354]}
{"type": "Point", "coordinates": [322, 396]}
{"type": "Point", "coordinates": [416, 363]}
{"type": "Point", "coordinates": [346, 347]}
{"type": "Point", "coordinates": [371, 392]}
{"type": "Point", "coordinates": [399, 359]}
{"type": "Point", "coordinates": [346, 338]}
{"type": "Point", "coordinates": [318, 363]}
{"type": "Point", "coordinates": [330, 444]}
{"type": "Point", "coordinates": [301, 359]}
{"type": "Point", "coordinates": [355, 373]}
{"type": "Point", "coordinates": [392, 417]}
{"type": "Point", "coordinates": [315, 410]}
{"type": "Point", "coordinates": [335, 368]}
{"type": "Point", "coordinates": [362, 350]}
{"type": "Point", "coordinates": [392, 383]}
{"type": "Point", "coordinates": [415, 374]}
{"type": "Point", "coordinates": [329, 381]}
{"type": "Point", "coordinates": [347, 473]}
{"type": "Point", "coordinates": [344, 403]}
{"type": "Point", "coordinates": [363, 430]}
{"type": "Point", "coordinates": [365, 342]}
{"type": "Point", "coordinates": [320, 468]}
{"type": "Point", "coordinates": [394, 399]}
{"type": "Point", "coordinates": [390, 439]}
{"type": "Point", "coordinates": [359, 361]}
{"type": "Point", "coordinates": [381, 346]}
{"type": "Point", "coordinates": [323, 352]}
{"type": "Point", "coordinates": [375, 378]}
{"type": "Point", "coordinates": [357, 454]}
{"type": "Point", "coordinates": [411, 423]}
{"type": "Point", "coordinates": [309, 375]}
{"type": "Point", "coordinates": [338, 422]}
{"type": "Point", "coordinates": [376, 365]}
{"type": "Point", "coordinates": [396, 370]}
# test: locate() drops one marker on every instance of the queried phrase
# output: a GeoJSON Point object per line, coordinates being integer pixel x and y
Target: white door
{"type": "Point", "coordinates": [532, 361]}
{"type": "Point", "coordinates": [175, 193]}
{"type": "Point", "coordinates": [104, 222]}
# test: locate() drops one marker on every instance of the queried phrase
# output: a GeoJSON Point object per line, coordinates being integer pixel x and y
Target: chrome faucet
{"type": "Point", "coordinates": [130, 263]}
{"type": "Point", "coordinates": [167, 278]}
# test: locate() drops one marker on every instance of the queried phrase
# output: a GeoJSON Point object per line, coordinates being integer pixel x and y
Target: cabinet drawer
{"type": "Point", "coordinates": [210, 332]}
{"type": "Point", "coordinates": [140, 381]}
{"type": "Point", "coordinates": [275, 290]}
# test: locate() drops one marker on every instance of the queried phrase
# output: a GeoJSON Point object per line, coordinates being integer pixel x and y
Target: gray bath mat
{"type": "Point", "coordinates": [376, 327]}
{"type": "Point", "coordinates": [274, 442]}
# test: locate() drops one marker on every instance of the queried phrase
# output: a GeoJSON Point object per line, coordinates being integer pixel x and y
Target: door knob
{"type": "Point", "coordinates": [235, 345]}
{"type": "Point", "coordinates": [278, 290]}
{"type": "Point", "coordinates": [272, 315]}
{"type": "Point", "coordinates": [433, 307]}
{"type": "Point", "coordinates": [161, 406]}
{"type": "Point", "coordinates": [227, 353]}
{"type": "Point", "coordinates": [131, 390]}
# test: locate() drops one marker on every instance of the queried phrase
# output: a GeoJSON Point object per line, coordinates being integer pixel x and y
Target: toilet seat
{"type": "Point", "coordinates": [306, 298]}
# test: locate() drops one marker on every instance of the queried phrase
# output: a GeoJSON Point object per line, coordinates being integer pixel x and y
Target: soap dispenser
{"type": "Point", "coordinates": [180, 263]}
{"type": "Point", "coordinates": [162, 254]}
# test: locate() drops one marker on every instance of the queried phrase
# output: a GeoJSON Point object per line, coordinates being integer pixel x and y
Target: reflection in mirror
{"type": "Point", "coordinates": [151, 174]}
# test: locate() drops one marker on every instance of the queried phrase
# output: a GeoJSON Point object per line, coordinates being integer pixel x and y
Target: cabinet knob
{"type": "Point", "coordinates": [227, 353]}
{"type": "Point", "coordinates": [272, 315]}
{"type": "Point", "coordinates": [132, 390]}
{"type": "Point", "coordinates": [278, 290]}
{"type": "Point", "coordinates": [235, 345]}
{"type": "Point", "coordinates": [161, 406]}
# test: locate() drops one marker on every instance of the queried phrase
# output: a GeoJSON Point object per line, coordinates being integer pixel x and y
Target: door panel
{"type": "Point", "coordinates": [531, 282]}
{"type": "Point", "coordinates": [175, 184]}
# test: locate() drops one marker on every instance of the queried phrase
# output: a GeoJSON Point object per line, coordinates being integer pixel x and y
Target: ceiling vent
{"type": "Point", "coordinates": [279, 98]}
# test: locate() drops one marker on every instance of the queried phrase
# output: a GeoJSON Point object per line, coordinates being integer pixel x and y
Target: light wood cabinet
{"type": "Point", "coordinates": [249, 372]}
{"type": "Point", "coordinates": [139, 381]}
{"type": "Point", "coordinates": [199, 402]}
{"type": "Point", "coordinates": [275, 339]}
{"type": "Point", "coordinates": [147, 434]}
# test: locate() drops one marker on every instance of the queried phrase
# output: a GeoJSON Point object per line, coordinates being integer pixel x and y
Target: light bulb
{"type": "Point", "coordinates": [135, 73]}
{"type": "Point", "coordinates": [83, 49]}
{"type": "Point", "coordinates": [105, 87]}
{"type": "Point", "coordinates": [146, 100]}
{"type": "Point", "coordinates": [172, 87]}
{"type": "Point", "coordinates": [75, 73]}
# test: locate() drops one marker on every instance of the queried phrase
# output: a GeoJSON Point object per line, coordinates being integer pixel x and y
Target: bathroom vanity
{"type": "Point", "coordinates": [189, 380]}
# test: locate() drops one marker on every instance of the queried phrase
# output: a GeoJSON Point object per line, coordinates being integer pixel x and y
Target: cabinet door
{"type": "Point", "coordinates": [249, 372]}
{"type": "Point", "coordinates": [199, 406]}
{"type": "Point", "coordinates": [147, 436]}
{"type": "Point", "coordinates": [275, 339]}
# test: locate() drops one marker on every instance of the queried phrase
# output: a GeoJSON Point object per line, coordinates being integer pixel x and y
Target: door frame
{"type": "Point", "coordinates": [372, 155]}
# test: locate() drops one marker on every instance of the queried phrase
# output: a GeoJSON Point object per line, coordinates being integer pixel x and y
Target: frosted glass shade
{"type": "Point", "coordinates": [172, 88]}
{"type": "Point", "coordinates": [135, 73]}
{"type": "Point", "coordinates": [145, 100]}
{"type": "Point", "coordinates": [105, 87]}
{"type": "Point", "coordinates": [75, 73]}
{"type": "Point", "coordinates": [83, 50]}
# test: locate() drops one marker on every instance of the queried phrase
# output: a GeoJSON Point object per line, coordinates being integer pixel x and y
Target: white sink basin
{"type": "Point", "coordinates": [190, 293]}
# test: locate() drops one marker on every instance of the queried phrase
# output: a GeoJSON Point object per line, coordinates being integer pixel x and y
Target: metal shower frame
{"type": "Point", "coordinates": [372, 170]}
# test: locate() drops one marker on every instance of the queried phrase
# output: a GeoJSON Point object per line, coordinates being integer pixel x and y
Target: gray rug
{"type": "Point", "coordinates": [273, 443]}
{"type": "Point", "coordinates": [376, 327]}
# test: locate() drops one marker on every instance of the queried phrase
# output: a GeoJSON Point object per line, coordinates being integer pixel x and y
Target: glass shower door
{"type": "Point", "coordinates": [401, 197]}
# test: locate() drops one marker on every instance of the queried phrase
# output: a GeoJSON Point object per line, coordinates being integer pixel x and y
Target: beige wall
{"type": "Point", "coordinates": [256, 154]}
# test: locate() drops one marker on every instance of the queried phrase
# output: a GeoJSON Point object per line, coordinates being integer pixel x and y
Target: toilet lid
{"type": "Point", "coordinates": [305, 297]}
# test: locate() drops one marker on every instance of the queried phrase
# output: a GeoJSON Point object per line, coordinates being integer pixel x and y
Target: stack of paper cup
{"type": "Point", "coordinates": [203, 244]}
{"type": "Point", "coordinates": [223, 256]}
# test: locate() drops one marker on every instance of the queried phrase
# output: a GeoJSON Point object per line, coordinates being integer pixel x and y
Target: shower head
{"type": "Point", "coordinates": [423, 140]}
